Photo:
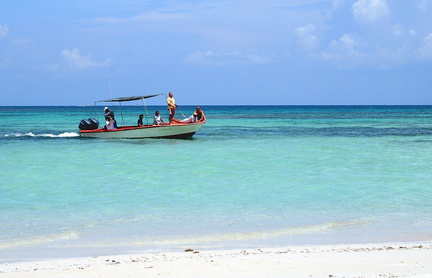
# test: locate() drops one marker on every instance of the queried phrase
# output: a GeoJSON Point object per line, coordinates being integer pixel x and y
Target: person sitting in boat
{"type": "Point", "coordinates": [199, 115]}
{"type": "Point", "coordinates": [140, 120]}
{"type": "Point", "coordinates": [110, 114]}
{"type": "Point", "coordinates": [109, 125]}
{"type": "Point", "coordinates": [158, 119]}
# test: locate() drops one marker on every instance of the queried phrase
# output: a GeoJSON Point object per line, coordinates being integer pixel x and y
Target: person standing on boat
{"type": "Point", "coordinates": [110, 114]}
{"type": "Point", "coordinates": [158, 119]}
{"type": "Point", "coordinates": [171, 106]}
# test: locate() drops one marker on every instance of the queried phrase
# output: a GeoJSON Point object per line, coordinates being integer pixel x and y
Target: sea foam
{"type": "Point", "coordinates": [47, 135]}
{"type": "Point", "coordinates": [68, 235]}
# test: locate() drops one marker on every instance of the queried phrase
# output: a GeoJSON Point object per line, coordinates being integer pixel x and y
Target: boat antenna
{"type": "Point", "coordinates": [109, 84]}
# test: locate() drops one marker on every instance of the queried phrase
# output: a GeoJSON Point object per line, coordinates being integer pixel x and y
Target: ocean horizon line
{"type": "Point", "coordinates": [237, 105]}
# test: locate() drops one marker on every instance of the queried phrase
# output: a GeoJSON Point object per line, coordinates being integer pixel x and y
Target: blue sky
{"type": "Point", "coordinates": [214, 52]}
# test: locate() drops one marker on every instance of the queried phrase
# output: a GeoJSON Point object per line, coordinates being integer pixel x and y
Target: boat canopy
{"type": "Point", "coordinates": [122, 99]}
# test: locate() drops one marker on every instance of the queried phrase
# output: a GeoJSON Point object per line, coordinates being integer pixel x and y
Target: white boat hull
{"type": "Point", "coordinates": [176, 130]}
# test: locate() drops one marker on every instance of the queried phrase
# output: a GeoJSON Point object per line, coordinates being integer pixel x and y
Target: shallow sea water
{"type": "Point", "coordinates": [253, 176]}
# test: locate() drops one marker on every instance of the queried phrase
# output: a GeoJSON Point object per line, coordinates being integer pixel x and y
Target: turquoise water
{"type": "Point", "coordinates": [253, 176]}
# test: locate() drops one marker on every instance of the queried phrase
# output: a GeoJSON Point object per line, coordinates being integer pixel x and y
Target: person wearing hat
{"type": "Point", "coordinates": [109, 114]}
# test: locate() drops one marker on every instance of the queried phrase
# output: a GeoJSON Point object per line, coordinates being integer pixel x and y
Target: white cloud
{"type": "Point", "coordinates": [398, 30]}
{"type": "Point", "coordinates": [78, 61]}
{"type": "Point", "coordinates": [224, 59]}
{"type": "Point", "coordinates": [337, 3]}
{"type": "Point", "coordinates": [4, 30]}
{"type": "Point", "coordinates": [346, 42]}
{"type": "Point", "coordinates": [367, 11]}
{"type": "Point", "coordinates": [22, 42]}
{"type": "Point", "coordinates": [306, 37]}
{"type": "Point", "coordinates": [422, 5]}
{"type": "Point", "coordinates": [425, 51]}
{"type": "Point", "coordinates": [401, 31]}
{"type": "Point", "coordinates": [51, 67]}
{"type": "Point", "coordinates": [346, 47]}
{"type": "Point", "coordinates": [142, 17]}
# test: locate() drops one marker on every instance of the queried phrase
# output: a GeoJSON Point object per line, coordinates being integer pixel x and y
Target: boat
{"type": "Point", "coordinates": [89, 128]}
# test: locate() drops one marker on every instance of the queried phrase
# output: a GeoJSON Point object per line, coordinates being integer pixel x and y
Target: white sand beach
{"type": "Point", "coordinates": [366, 260]}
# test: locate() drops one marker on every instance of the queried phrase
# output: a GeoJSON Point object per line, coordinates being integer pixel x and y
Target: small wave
{"type": "Point", "coordinates": [44, 135]}
{"type": "Point", "coordinates": [69, 235]}
{"type": "Point", "coordinates": [319, 228]}
{"type": "Point", "coordinates": [194, 239]}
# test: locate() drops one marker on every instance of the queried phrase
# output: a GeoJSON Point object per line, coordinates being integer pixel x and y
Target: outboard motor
{"type": "Point", "coordinates": [89, 124]}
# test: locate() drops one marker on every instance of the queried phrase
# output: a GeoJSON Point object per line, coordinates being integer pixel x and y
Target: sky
{"type": "Point", "coordinates": [243, 52]}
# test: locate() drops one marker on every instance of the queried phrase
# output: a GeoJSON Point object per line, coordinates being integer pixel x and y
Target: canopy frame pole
{"type": "Point", "coordinates": [121, 113]}
{"type": "Point", "coordinates": [95, 112]}
{"type": "Point", "coordinates": [145, 110]}
{"type": "Point", "coordinates": [122, 99]}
